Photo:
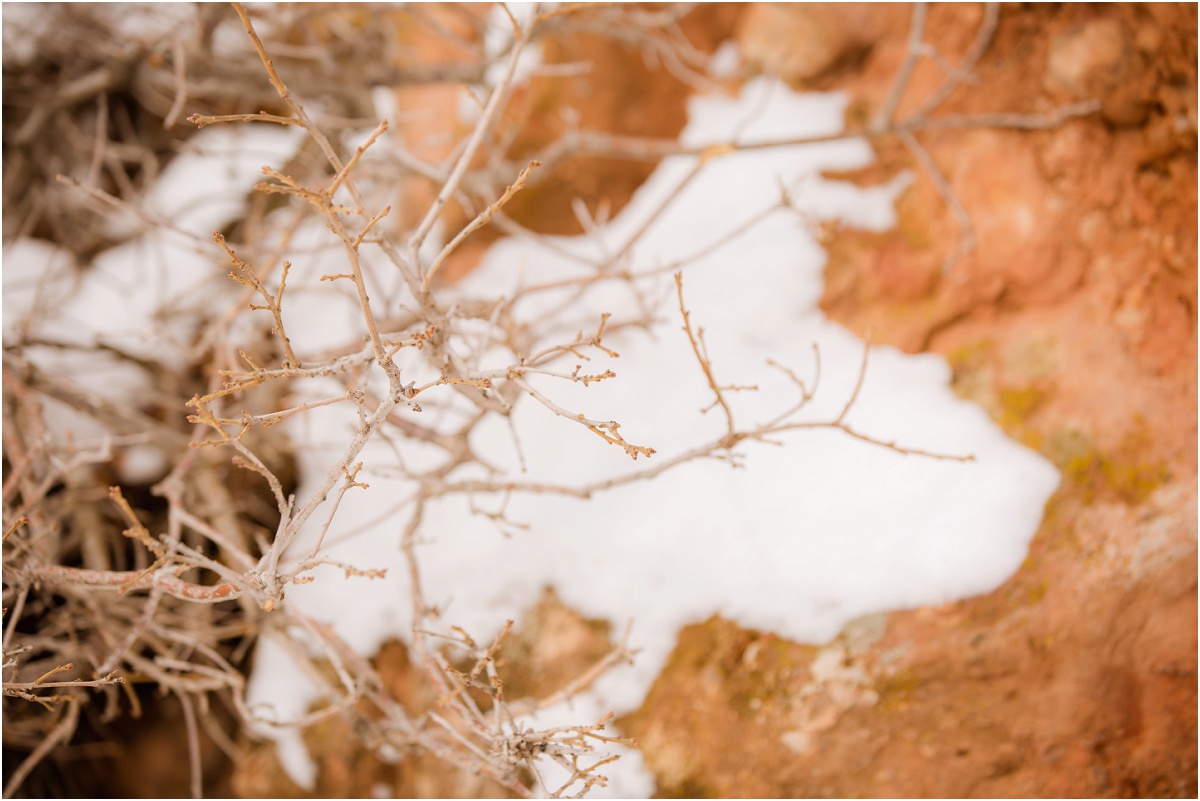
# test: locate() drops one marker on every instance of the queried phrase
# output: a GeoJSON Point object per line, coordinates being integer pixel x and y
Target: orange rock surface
{"type": "Point", "coordinates": [1073, 322]}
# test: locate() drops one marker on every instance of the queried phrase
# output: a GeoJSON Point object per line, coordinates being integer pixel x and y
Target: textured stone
{"type": "Point", "coordinates": [805, 43]}
{"type": "Point", "coordinates": [1074, 325]}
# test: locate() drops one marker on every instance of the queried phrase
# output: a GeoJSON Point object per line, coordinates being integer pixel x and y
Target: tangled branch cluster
{"type": "Point", "coordinates": [207, 551]}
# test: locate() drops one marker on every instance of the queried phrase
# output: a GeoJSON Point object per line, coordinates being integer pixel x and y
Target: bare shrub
{"type": "Point", "coordinates": [168, 580]}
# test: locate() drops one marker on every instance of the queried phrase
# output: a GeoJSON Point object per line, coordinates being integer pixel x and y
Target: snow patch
{"type": "Point", "coordinates": [800, 540]}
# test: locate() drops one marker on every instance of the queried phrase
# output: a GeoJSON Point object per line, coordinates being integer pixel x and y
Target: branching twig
{"type": "Point", "coordinates": [695, 340]}
{"type": "Point", "coordinates": [916, 31]}
{"type": "Point", "coordinates": [480, 220]}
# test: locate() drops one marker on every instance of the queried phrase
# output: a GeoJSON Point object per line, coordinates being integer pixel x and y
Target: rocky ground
{"type": "Point", "coordinates": [1073, 322]}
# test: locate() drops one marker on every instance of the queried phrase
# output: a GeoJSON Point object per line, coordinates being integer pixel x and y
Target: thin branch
{"type": "Point", "coordinates": [98, 152]}
{"type": "Point", "coordinates": [482, 219]}
{"type": "Point", "coordinates": [344, 172]}
{"type": "Point", "coordinates": [201, 120]}
{"type": "Point", "coordinates": [862, 374]}
{"type": "Point", "coordinates": [179, 59]}
{"type": "Point", "coordinates": [133, 579]}
{"type": "Point", "coordinates": [1019, 122]}
{"type": "Point", "coordinates": [605, 429]}
{"type": "Point", "coordinates": [195, 783]}
{"type": "Point", "coordinates": [966, 241]}
{"type": "Point", "coordinates": [916, 32]}
{"type": "Point", "coordinates": [705, 365]}
{"type": "Point", "coordinates": [482, 127]}
{"type": "Point", "coordinates": [962, 73]}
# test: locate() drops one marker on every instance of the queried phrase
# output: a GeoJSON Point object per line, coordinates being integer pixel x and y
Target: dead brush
{"type": "Point", "coordinates": [169, 584]}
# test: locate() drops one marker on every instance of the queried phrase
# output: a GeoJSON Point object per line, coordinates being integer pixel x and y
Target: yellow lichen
{"type": "Point", "coordinates": [896, 691]}
{"type": "Point", "coordinates": [1123, 474]}
{"type": "Point", "coordinates": [1037, 591]}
